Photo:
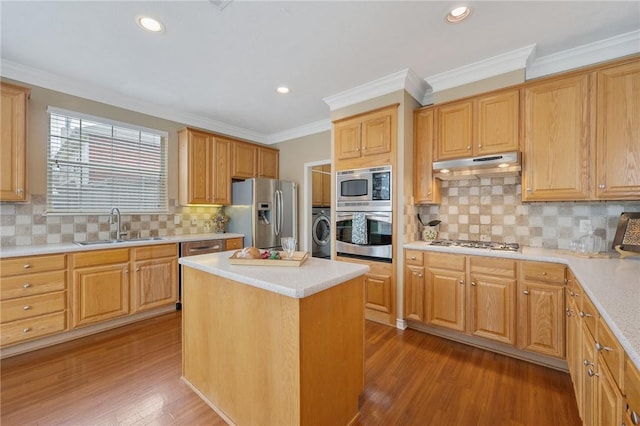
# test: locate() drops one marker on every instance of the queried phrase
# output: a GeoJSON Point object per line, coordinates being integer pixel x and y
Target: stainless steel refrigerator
{"type": "Point", "coordinates": [264, 210]}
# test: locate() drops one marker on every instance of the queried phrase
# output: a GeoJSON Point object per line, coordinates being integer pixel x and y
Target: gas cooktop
{"type": "Point", "coordinates": [486, 245]}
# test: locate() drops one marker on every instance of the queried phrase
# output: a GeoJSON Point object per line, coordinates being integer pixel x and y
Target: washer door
{"type": "Point", "coordinates": [321, 230]}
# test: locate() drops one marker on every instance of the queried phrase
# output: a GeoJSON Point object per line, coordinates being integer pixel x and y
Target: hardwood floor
{"type": "Point", "coordinates": [131, 376]}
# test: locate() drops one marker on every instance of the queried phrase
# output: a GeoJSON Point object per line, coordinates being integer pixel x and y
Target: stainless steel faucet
{"type": "Point", "coordinates": [117, 213]}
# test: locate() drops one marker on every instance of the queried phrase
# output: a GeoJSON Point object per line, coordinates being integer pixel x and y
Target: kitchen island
{"type": "Point", "coordinates": [274, 345]}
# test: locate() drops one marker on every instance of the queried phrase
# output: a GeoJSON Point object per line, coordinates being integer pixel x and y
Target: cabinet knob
{"type": "Point", "coordinates": [571, 293]}
{"type": "Point", "coordinates": [468, 146]}
{"type": "Point", "coordinates": [479, 145]}
{"type": "Point", "coordinates": [599, 347]}
{"type": "Point", "coordinates": [26, 330]}
{"type": "Point", "coordinates": [19, 191]}
{"type": "Point", "coordinates": [413, 258]}
{"type": "Point", "coordinates": [27, 266]}
{"type": "Point", "coordinates": [461, 282]}
{"type": "Point", "coordinates": [568, 312]}
{"type": "Point", "coordinates": [26, 307]}
{"type": "Point", "coordinates": [601, 186]}
{"type": "Point", "coordinates": [635, 417]}
{"type": "Point", "coordinates": [584, 315]}
{"type": "Point", "coordinates": [592, 373]}
{"type": "Point", "coordinates": [26, 285]}
{"type": "Point", "coordinates": [429, 193]}
{"type": "Point", "coordinates": [529, 190]}
{"type": "Point", "coordinates": [419, 275]}
{"type": "Point", "coordinates": [544, 273]}
{"type": "Point", "coordinates": [473, 283]}
{"type": "Point", "coordinates": [587, 363]}
{"type": "Point", "coordinates": [137, 269]}
{"type": "Point", "coordinates": [526, 292]}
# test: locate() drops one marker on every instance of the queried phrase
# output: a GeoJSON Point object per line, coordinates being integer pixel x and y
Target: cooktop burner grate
{"type": "Point", "coordinates": [487, 245]}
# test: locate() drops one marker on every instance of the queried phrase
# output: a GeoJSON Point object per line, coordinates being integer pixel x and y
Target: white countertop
{"type": "Point", "coordinates": [613, 285]}
{"type": "Point", "coordinates": [313, 276]}
{"type": "Point", "coordinates": [6, 252]}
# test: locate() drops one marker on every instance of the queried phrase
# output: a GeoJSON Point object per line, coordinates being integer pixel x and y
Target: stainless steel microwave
{"type": "Point", "coordinates": [364, 189]}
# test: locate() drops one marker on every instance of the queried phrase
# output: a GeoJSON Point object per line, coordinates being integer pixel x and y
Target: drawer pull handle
{"type": "Point", "coordinates": [585, 315]}
{"type": "Point", "coordinates": [569, 312]}
{"type": "Point", "coordinates": [635, 417]}
{"type": "Point", "coordinates": [526, 292]}
{"type": "Point", "coordinates": [592, 373]}
{"type": "Point", "coordinates": [599, 347]}
{"type": "Point", "coordinates": [27, 285]}
{"type": "Point", "coordinates": [587, 363]}
{"type": "Point", "coordinates": [26, 307]}
{"type": "Point", "coordinates": [26, 330]}
{"type": "Point", "coordinates": [27, 266]}
{"type": "Point", "coordinates": [461, 282]}
{"type": "Point", "coordinates": [473, 283]}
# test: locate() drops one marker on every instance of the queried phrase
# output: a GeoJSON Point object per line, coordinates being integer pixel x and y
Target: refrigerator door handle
{"type": "Point", "coordinates": [280, 212]}
{"type": "Point", "coordinates": [276, 206]}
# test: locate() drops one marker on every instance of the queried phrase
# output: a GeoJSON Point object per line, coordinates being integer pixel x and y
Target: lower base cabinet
{"type": "Point", "coordinates": [156, 275]}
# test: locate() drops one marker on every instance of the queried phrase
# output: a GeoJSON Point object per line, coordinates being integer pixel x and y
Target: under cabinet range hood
{"type": "Point", "coordinates": [496, 165]}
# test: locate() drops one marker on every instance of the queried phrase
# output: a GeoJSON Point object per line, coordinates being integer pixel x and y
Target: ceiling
{"type": "Point", "coordinates": [217, 67]}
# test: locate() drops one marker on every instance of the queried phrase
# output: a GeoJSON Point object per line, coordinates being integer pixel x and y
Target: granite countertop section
{"type": "Point", "coordinates": [613, 285]}
{"type": "Point", "coordinates": [7, 252]}
{"type": "Point", "coordinates": [313, 276]}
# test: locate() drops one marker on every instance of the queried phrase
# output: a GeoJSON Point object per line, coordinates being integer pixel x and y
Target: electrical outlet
{"type": "Point", "coordinates": [194, 221]}
{"type": "Point", "coordinates": [585, 225]}
{"type": "Point", "coordinates": [177, 219]}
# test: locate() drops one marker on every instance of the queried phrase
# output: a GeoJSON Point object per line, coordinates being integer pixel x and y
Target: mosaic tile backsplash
{"type": "Point", "coordinates": [23, 224]}
{"type": "Point", "coordinates": [490, 209]}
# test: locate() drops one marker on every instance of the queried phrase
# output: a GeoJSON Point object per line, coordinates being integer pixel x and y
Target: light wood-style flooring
{"type": "Point", "coordinates": [131, 376]}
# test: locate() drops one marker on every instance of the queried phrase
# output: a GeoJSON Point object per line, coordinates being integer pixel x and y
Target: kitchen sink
{"type": "Point", "coordinates": [132, 240]}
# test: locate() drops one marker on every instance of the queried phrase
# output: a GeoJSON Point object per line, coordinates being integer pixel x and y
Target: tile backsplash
{"type": "Point", "coordinates": [490, 209]}
{"type": "Point", "coordinates": [23, 224]}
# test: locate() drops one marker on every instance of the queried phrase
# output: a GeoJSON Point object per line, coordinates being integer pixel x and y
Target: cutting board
{"type": "Point", "coordinates": [298, 258]}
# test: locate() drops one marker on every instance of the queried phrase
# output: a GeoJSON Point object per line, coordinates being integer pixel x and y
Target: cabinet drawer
{"type": "Point", "coordinates": [32, 284]}
{"type": "Point", "coordinates": [611, 351]}
{"type": "Point", "coordinates": [100, 257]}
{"type": "Point", "coordinates": [233, 244]}
{"type": "Point", "coordinates": [27, 307]}
{"type": "Point", "coordinates": [494, 266]}
{"type": "Point", "coordinates": [574, 291]}
{"type": "Point", "coordinates": [542, 271]}
{"type": "Point", "coordinates": [154, 252]}
{"type": "Point", "coordinates": [589, 315]}
{"type": "Point", "coordinates": [31, 264]}
{"type": "Point", "coordinates": [446, 261]}
{"type": "Point", "coordinates": [414, 257]}
{"type": "Point", "coordinates": [18, 331]}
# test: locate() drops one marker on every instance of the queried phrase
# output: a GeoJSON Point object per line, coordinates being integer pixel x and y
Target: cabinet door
{"type": "Point", "coordinates": [245, 160]}
{"type": "Point", "coordinates": [445, 298]}
{"type": "Point", "coordinates": [378, 292]}
{"type": "Point", "coordinates": [589, 379]}
{"type": "Point", "coordinates": [13, 141]}
{"type": "Point", "coordinates": [574, 348]}
{"type": "Point", "coordinates": [454, 130]}
{"type": "Point", "coordinates": [609, 398]}
{"type": "Point", "coordinates": [100, 293]}
{"type": "Point", "coordinates": [426, 189]}
{"type": "Point", "coordinates": [316, 186]}
{"type": "Point", "coordinates": [493, 308]}
{"type": "Point", "coordinates": [326, 185]}
{"type": "Point", "coordinates": [221, 192]}
{"type": "Point", "coordinates": [376, 134]}
{"type": "Point", "coordinates": [618, 133]}
{"type": "Point", "coordinates": [497, 123]}
{"type": "Point", "coordinates": [155, 283]}
{"type": "Point", "coordinates": [557, 140]}
{"type": "Point", "coordinates": [195, 167]}
{"type": "Point", "coordinates": [347, 139]}
{"type": "Point", "coordinates": [414, 293]}
{"type": "Point", "coordinates": [541, 309]}
{"type": "Point", "coordinates": [268, 163]}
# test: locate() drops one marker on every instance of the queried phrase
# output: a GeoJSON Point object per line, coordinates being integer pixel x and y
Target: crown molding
{"type": "Point", "coordinates": [29, 75]}
{"type": "Point", "coordinates": [300, 131]}
{"type": "Point", "coordinates": [599, 51]}
{"type": "Point", "coordinates": [401, 80]}
{"type": "Point", "coordinates": [496, 65]}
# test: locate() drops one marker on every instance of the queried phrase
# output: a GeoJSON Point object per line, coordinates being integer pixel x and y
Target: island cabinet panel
{"type": "Point", "coordinates": [280, 360]}
{"type": "Point", "coordinates": [557, 139]}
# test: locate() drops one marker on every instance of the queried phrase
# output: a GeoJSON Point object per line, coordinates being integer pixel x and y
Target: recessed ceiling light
{"type": "Point", "coordinates": [283, 90]}
{"type": "Point", "coordinates": [150, 24]}
{"type": "Point", "coordinates": [458, 14]}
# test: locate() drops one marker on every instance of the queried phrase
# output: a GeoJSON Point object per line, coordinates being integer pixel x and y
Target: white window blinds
{"type": "Point", "coordinates": [94, 164]}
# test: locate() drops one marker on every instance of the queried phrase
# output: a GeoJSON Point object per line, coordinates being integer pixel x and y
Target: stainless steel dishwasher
{"type": "Point", "coordinates": [193, 248]}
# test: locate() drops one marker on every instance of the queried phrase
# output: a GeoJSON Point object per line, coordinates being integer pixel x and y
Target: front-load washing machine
{"type": "Point", "coordinates": [321, 232]}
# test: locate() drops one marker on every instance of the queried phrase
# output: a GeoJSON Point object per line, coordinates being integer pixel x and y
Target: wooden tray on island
{"type": "Point", "coordinates": [298, 258]}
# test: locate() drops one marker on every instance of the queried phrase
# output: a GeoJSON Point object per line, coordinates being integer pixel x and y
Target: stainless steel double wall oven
{"type": "Point", "coordinates": [364, 216]}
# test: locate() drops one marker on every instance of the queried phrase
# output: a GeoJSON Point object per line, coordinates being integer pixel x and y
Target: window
{"type": "Point", "coordinates": [94, 164]}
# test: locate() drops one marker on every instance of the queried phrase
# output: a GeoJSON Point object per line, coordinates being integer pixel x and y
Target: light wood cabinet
{"type": "Point", "coordinates": [445, 290]}
{"type": "Point", "coordinates": [366, 139]}
{"type": "Point", "coordinates": [268, 163]}
{"type": "Point", "coordinates": [414, 283]}
{"type": "Point", "coordinates": [100, 286]}
{"type": "Point", "coordinates": [631, 404]}
{"type": "Point", "coordinates": [608, 398]}
{"type": "Point", "coordinates": [13, 142]}
{"type": "Point", "coordinates": [321, 185]}
{"type": "Point", "coordinates": [245, 160]}
{"type": "Point", "coordinates": [204, 176]}
{"type": "Point", "coordinates": [233, 243]}
{"type": "Point", "coordinates": [588, 405]}
{"type": "Point", "coordinates": [492, 299]}
{"type": "Point", "coordinates": [426, 189]}
{"type": "Point", "coordinates": [33, 297]}
{"type": "Point", "coordinates": [557, 139]}
{"type": "Point", "coordinates": [482, 125]}
{"type": "Point", "coordinates": [574, 336]}
{"type": "Point", "coordinates": [155, 282]}
{"type": "Point", "coordinates": [617, 156]}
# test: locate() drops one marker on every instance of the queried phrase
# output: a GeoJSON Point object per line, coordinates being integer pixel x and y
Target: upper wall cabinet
{"type": "Point", "coordinates": [557, 139]}
{"type": "Point", "coordinates": [617, 165]}
{"type": "Point", "coordinates": [366, 140]}
{"type": "Point", "coordinates": [13, 142]}
{"type": "Point", "coordinates": [268, 163]}
{"type": "Point", "coordinates": [481, 125]}
{"type": "Point", "coordinates": [426, 189]}
{"type": "Point", "coordinates": [245, 160]}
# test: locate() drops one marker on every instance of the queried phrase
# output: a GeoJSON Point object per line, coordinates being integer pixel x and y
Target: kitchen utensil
{"type": "Point", "coordinates": [434, 223]}
{"type": "Point", "coordinates": [420, 220]}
